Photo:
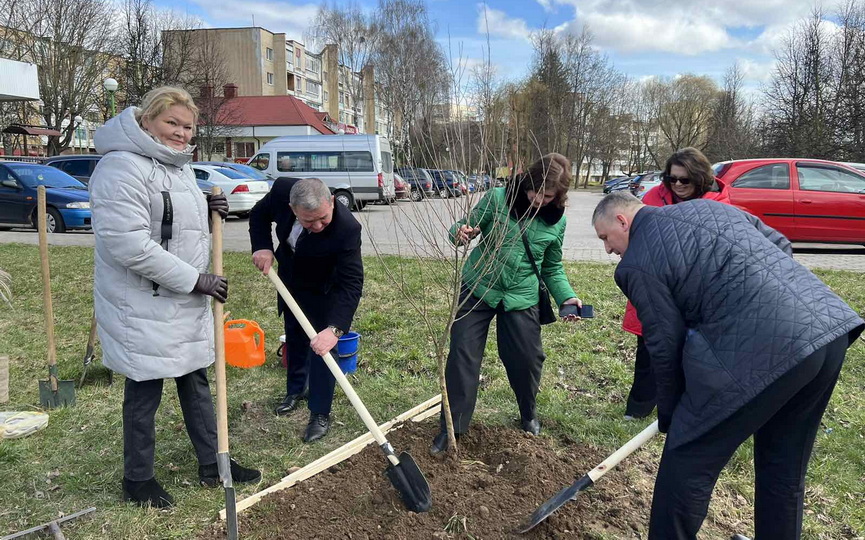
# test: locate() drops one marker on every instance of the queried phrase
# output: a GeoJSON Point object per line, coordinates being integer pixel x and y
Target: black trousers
{"type": "Point", "coordinates": [519, 344]}
{"type": "Point", "coordinates": [783, 419]}
{"type": "Point", "coordinates": [641, 398]}
{"type": "Point", "coordinates": [307, 371]}
{"type": "Point", "coordinates": [140, 401]}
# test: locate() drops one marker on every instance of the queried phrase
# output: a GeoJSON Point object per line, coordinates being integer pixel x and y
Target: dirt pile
{"type": "Point", "coordinates": [502, 476]}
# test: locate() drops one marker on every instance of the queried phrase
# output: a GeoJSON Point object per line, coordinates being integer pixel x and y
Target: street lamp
{"type": "Point", "coordinates": [78, 121]}
{"type": "Point", "coordinates": [110, 86]}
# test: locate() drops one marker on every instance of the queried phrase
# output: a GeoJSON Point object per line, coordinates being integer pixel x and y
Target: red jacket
{"type": "Point", "coordinates": [660, 195]}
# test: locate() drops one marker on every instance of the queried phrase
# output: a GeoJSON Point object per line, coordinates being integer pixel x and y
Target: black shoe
{"type": "Point", "coordinates": [208, 475]}
{"type": "Point", "coordinates": [288, 404]}
{"type": "Point", "coordinates": [440, 443]}
{"type": "Point", "coordinates": [532, 426]}
{"type": "Point", "coordinates": [318, 426]}
{"type": "Point", "coordinates": [145, 493]}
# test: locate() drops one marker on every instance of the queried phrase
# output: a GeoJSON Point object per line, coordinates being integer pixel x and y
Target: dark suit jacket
{"type": "Point", "coordinates": [325, 272]}
{"type": "Point", "coordinates": [726, 310]}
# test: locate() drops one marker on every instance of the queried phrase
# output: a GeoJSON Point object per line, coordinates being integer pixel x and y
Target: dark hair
{"type": "Point", "coordinates": [698, 167]}
{"type": "Point", "coordinates": [553, 171]}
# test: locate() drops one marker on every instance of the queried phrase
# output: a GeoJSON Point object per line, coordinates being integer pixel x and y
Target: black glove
{"type": "Point", "coordinates": [212, 285]}
{"type": "Point", "coordinates": [218, 203]}
{"type": "Point", "coordinates": [664, 422]}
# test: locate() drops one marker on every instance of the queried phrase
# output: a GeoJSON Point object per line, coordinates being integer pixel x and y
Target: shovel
{"type": "Point", "coordinates": [587, 481]}
{"type": "Point", "coordinates": [223, 460]}
{"type": "Point", "coordinates": [402, 471]}
{"type": "Point", "coordinates": [89, 357]}
{"type": "Point", "coordinates": [53, 392]}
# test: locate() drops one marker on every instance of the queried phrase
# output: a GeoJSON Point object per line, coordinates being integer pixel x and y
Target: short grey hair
{"type": "Point", "coordinates": [614, 203]}
{"type": "Point", "coordinates": [310, 194]}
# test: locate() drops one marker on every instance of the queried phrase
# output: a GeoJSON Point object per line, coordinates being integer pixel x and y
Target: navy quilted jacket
{"type": "Point", "coordinates": [725, 309]}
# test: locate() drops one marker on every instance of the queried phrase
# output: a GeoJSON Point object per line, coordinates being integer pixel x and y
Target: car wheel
{"type": "Point", "coordinates": [416, 195]}
{"type": "Point", "coordinates": [54, 221]}
{"type": "Point", "coordinates": [344, 198]}
{"type": "Point", "coordinates": [444, 193]}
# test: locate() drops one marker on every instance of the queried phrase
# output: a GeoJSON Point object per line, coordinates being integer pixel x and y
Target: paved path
{"type": "Point", "coordinates": [419, 229]}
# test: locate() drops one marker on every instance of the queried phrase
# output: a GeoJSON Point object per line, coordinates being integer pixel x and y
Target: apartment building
{"type": "Point", "coordinates": [263, 63]}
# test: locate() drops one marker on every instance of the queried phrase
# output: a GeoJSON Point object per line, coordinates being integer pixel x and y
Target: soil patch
{"type": "Point", "coordinates": [502, 476]}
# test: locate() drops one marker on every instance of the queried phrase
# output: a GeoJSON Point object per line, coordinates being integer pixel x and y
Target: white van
{"type": "Point", "coordinates": [358, 169]}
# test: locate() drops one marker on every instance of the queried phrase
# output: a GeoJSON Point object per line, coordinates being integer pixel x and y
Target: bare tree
{"type": "Point", "coordinates": [142, 46]}
{"type": "Point", "coordinates": [69, 40]}
{"type": "Point", "coordinates": [355, 35]}
{"type": "Point", "coordinates": [731, 133]}
{"type": "Point", "coordinates": [684, 110]}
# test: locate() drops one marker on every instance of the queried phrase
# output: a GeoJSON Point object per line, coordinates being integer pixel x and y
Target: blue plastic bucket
{"type": "Point", "coordinates": [346, 349]}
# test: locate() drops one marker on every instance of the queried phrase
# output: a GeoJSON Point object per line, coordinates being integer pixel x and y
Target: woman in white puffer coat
{"type": "Point", "coordinates": [151, 287]}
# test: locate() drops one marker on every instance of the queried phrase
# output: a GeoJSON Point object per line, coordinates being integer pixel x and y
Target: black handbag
{"type": "Point", "coordinates": [546, 315]}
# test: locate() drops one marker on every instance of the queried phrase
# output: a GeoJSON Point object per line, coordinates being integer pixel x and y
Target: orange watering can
{"type": "Point", "coordinates": [244, 343]}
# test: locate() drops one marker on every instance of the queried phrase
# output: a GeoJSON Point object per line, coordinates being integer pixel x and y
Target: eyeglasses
{"type": "Point", "coordinates": [672, 180]}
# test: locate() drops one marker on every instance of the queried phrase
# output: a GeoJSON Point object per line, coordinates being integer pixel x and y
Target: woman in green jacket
{"type": "Point", "coordinates": [499, 281]}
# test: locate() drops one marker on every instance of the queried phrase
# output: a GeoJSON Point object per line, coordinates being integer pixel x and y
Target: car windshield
{"type": "Point", "coordinates": [231, 173]}
{"type": "Point", "coordinates": [249, 172]}
{"type": "Point", "coordinates": [43, 175]}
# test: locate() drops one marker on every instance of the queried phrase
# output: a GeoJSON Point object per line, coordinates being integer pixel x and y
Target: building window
{"type": "Point", "coordinates": [341, 98]}
{"type": "Point", "coordinates": [297, 54]}
{"type": "Point", "coordinates": [244, 149]}
{"type": "Point", "coordinates": [313, 64]}
{"type": "Point", "coordinates": [270, 78]}
{"type": "Point", "coordinates": [268, 53]}
{"type": "Point", "coordinates": [326, 96]}
{"type": "Point", "coordinates": [313, 88]}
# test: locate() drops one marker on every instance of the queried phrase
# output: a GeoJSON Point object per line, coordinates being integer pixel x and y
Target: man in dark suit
{"type": "Point", "coordinates": [744, 342]}
{"type": "Point", "coordinates": [320, 263]}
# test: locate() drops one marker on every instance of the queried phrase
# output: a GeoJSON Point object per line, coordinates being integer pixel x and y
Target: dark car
{"type": "Point", "coordinates": [446, 183]}
{"type": "Point", "coordinates": [622, 184]}
{"type": "Point", "coordinates": [482, 182]}
{"type": "Point", "coordinates": [67, 199]}
{"type": "Point", "coordinates": [608, 185]}
{"type": "Point", "coordinates": [420, 180]}
{"type": "Point", "coordinates": [79, 166]}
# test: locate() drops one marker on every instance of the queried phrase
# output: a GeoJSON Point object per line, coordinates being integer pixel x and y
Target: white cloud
{"type": "Point", "coordinates": [646, 33]}
{"type": "Point", "coordinates": [546, 4]}
{"type": "Point", "coordinates": [293, 19]}
{"type": "Point", "coordinates": [497, 23]}
{"type": "Point", "coordinates": [753, 71]}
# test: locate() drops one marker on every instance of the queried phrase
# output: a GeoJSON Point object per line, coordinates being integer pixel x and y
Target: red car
{"type": "Point", "coordinates": [807, 200]}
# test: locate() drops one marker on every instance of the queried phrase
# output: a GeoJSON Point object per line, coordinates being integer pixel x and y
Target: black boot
{"type": "Point", "coordinates": [145, 493]}
{"type": "Point", "coordinates": [532, 426]}
{"type": "Point", "coordinates": [317, 427]}
{"type": "Point", "coordinates": [208, 475]}
{"type": "Point", "coordinates": [440, 443]}
{"type": "Point", "coordinates": [289, 404]}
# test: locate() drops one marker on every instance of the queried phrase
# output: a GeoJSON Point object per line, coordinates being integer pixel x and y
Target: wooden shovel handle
{"type": "Point", "coordinates": [331, 364]}
{"type": "Point", "coordinates": [42, 226]}
{"type": "Point", "coordinates": [219, 337]}
{"type": "Point", "coordinates": [639, 440]}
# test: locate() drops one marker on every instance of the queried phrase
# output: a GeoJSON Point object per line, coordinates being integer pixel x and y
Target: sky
{"type": "Point", "coordinates": [641, 38]}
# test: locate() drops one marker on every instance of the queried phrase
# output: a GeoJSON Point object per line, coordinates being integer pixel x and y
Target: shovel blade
{"type": "Point", "coordinates": [64, 396]}
{"type": "Point", "coordinates": [231, 513]}
{"type": "Point", "coordinates": [409, 481]}
{"type": "Point", "coordinates": [555, 502]}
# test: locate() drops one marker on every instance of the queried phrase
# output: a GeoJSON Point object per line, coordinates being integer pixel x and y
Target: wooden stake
{"type": "Point", "coordinates": [4, 379]}
{"type": "Point", "coordinates": [337, 456]}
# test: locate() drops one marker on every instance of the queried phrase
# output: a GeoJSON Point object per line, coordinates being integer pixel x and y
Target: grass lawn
{"type": "Point", "coordinates": [77, 461]}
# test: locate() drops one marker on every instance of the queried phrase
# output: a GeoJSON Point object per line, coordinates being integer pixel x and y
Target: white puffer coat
{"type": "Point", "coordinates": [145, 336]}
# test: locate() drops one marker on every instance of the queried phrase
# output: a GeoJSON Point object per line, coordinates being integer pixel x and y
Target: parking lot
{"type": "Point", "coordinates": [419, 229]}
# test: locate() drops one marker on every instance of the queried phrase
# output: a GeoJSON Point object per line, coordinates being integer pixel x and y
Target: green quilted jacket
{"type": "Point", "coordinates": [498, 266]}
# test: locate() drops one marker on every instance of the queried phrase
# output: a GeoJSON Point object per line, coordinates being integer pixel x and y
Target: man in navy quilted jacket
{"type": "Point", "coordinates": [744, 341]}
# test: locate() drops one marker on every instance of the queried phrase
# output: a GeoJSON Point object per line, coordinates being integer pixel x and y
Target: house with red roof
{"type": "Point", "coordinates": [251, 121]}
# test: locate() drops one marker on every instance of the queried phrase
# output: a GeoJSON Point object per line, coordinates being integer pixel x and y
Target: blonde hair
{"type": "Point", "coordinates": [158, 100]}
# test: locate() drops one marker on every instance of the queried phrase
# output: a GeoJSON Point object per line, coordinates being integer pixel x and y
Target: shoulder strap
{"type": "Point", "coordinates": [531, 257]}
{"type": "Point", "coordinates": [165, 229]}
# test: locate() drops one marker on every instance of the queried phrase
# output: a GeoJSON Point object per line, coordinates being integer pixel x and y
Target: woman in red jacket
{"type": "Point", "coordinates": [687, 176]}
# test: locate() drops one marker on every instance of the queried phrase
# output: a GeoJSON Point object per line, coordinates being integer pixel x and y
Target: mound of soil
{"type": "Point", "coordinates": [501, 477]}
